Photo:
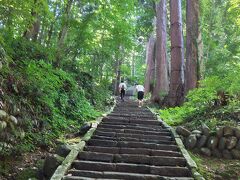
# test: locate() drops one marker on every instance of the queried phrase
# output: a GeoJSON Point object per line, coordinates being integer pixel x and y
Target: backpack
{"type": "Point", "coordinates": [122, 87]}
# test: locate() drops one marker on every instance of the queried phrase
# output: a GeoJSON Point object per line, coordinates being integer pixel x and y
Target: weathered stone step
{"type": "Point", "coordinates": [134, 131]}
{"type": "Point", "coordinates": [159, 136]}
{"type": "Point", "coordinates": [128, 139]}
{"type": "Point", "coordinates": [132, 158]}
{"type": "Point", "coordinates": [132, 121]}
{"type": "Point", "coordinates": [133, 115]}
{"type": "Point", "coordinates": [130, 117]}
{"type": "Point", "coordinates": [108, 143]}
{"type": "Point", "coordinates": [127, 113]}
{"type": "Point", "coordinates": [111, 126]}
{"type": "Point", "coordinates": [132, 168]}
{"type": "Point", "coordinates": [140, 151]}
{"type": "Point", "coordinates": [136, 124]}
{"type": "Point", "coordinates": [119, 175]}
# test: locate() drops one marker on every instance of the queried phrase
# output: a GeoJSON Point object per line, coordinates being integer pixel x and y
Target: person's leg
{"type": "Point", "coordinates": [123, 94]}
{"type": "Point", "coordinates": [138, 96]}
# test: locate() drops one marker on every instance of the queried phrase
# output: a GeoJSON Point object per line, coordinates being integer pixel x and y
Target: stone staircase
{"type": "Point", "coordinates": [131, 144]}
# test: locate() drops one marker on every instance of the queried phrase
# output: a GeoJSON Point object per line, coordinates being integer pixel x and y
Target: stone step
{"type": "Point", "coordinates": [132, 168]}
{"type": "Point", "coordinates": [133, 111]}
{"type": "Point", "coordinates": [159, 136]}
{"type": "Point", "coordinates": [131, 158]}
{"type": "Point", "coordinates": [134, 131]}
{"type": "Point", "coordinates": [124, 144]}
{"type": "Point", "coordinates": [130, 118]}
{"type": "Point", "coordinates": [136, 124]}
{"type": "Point", "coordinates": [140, 151]}
{"type": "Point", "coordinates": [133, 115]}
{"type": "Point", "coordinates": [128, 139]}
{"type": "Point", "coordinates": [132, 121]}
{"type": "Point", "coordinates": [111, 126]}
{"type": "Point", "coordinates": [118, 175]}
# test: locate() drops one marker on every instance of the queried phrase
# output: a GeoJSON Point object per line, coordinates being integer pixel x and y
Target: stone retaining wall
{"type": "Point", "coordinates": [224, 143]}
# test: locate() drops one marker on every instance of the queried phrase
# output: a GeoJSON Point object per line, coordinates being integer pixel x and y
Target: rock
{"type": "Point", "coordinates": [182, 138]}
{"type": "Point", "coordinates": [236, 153]}
{"type": "Point", "coordinates": [219, 132]}
{"type": "Point", "coordinates": [205, 129]}
{"type": "Point", "coordinates": [231, 142]}
{"type": "Point", "coordinates": [3, 115]}
{"type": "Point", "coordinates": [222, 143]}
{"type": "Point", "coordinates": [84, 128]}
{"type": "Point", "coordinates": [63, 150]}
{"type": "Point", "coordinates": [50, 165]}
{"type": "Point", "coordinates": [216, 153]}
{"type": "Point", "coordinates": [227, 154]}
{"type": "Point", "coordinates": [182, 131]}
{"type": "Point", "coordinates": [197, 133]}
{"type": "Point", "coordinates": [202, 141]}
{"type": "Point", "coordinates": [3, 125]}
{"type": "Point", "coordinates": [14, 120]}
{"type": "Point", "coordinates": [206, 151]}
{"type": "Point", "coordinates": [228, 131]}
{"type": "Point", "coordinates": [237, 132]}
{"type": "Point", "coordinates": [191, 141]}
{"type": "Point", "coordinates": [212, 142]}
{"type": "Point", "coordinates": [238, 145]}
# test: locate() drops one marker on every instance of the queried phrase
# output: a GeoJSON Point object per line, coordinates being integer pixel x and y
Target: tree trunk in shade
{"type": "Point", "coordinates": [63, 33]}
{"type": "Point", "coordinates": [150, 60]}
{"type": "Point", "coordinates": [176, 92]}
{"type": "Point", "coordinates": [118, 76]}
{"type": "Point", "coordinates": [33, 30]}
{"type": "Point", "coordinates": [192, 64]}
{"type": "Point", "coordinates": [161, 74]}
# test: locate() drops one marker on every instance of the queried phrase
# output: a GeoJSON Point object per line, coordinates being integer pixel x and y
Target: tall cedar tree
{"type": "Point", "coordinates": [150, 60]}
{"type": "Point", "coordinates": [162, 83]}
{"type": "Point", "coordinates": [176, 92]}
{"type": "Point", "coordinates": [192, 64]}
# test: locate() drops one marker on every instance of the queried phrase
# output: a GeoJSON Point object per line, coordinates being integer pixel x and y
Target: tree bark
{"type": "Point", "coordinates": [150, 60]}
{"type": "Point", "coordinates": [192, 51]}
{"type": "Point", "coordinates": [33, 30]}
{"type": "Point", "coordinates": [176, 92]}
{"type": "Point", "coordinates": [162, 83]}
{"type": "Point", "coordinates": [63, 33]}
{"type": "Point", "coordinates": [118, 76]}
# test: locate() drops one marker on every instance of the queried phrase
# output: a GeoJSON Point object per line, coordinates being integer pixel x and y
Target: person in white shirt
{"type": "Point", "coordinates": [122, 89]}
{"type": "Point", "coordinates": [140, 94]}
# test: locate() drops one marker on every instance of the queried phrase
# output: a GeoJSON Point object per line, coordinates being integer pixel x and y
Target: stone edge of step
{"type": "Point", "coordinates": [66, 164]}
{"type": "Point", "coordinates": [190, 162]}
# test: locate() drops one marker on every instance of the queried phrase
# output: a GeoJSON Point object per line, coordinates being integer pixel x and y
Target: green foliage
{"type": "Point", "coordinates": [58, 94]}
{"type": "Point", "coordinates": [214, 102]}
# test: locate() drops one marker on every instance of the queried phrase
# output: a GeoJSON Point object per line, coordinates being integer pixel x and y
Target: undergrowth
{"type": "Point", "coordinates": [47, 101]}
{"type": "Point", "coordinates": [215, 102]}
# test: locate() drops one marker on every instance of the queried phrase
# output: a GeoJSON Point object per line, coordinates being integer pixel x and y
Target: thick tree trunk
{"type": "Point", "coordinates": [118, 76]}
{"type": "Point", "coordinates": [162, 83]}
{"type": "Point", "coordinates": [63, 33]}
{"type": "Point", "coordinates": [192, 64]}
{"type": "Point", "coordinates": [33, 30]}
{"type": "Point", "coordinates": [176, 92]}
{"type": "Point", "coordinates": [150, 60]}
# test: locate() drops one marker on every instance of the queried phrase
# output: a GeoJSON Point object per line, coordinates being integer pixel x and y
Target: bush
{"type": "Point", "coordinates": [215, 101]}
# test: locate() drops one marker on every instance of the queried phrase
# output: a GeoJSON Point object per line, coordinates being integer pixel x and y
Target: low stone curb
{"type": "Point", "coordinates": [66, 164]}
{"type": "Point", "coordinates": [190, 162]}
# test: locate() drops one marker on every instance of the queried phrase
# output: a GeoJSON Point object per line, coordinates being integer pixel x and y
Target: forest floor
{"type": "Point", "coordinates": [217, 169]}
{"type": "Point", "coordinates": [22, 167]}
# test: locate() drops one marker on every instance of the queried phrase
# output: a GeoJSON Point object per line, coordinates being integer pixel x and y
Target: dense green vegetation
{"type": "Point", "coordinates": [216, 101]}
{"type": "Point", "coordinates": [58, 63]}
{"type": "Point", "coordinates": [61, 61]}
